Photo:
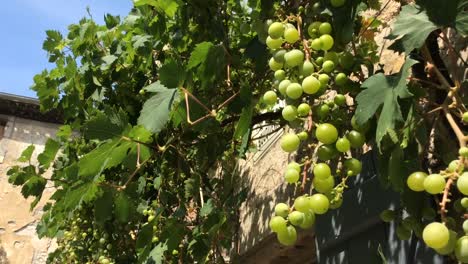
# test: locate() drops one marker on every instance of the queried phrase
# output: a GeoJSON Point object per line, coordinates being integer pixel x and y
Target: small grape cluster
{"type": "Point", "coordinates": [311, 75]}
{"type": "Point", "coordinates": [438, 235]}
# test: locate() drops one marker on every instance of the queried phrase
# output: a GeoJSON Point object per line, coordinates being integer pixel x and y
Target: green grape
{"type": "Point", "coordinates": [326, 133]}
{"type": "Point", "coordinates": [303, 109]}
{"type": "Point", "coordinates": [277, 224]}
{"type": "Point", "coordinates": [453, 166]}
{"type": "Point", "coordinates": [274, 65]}
{"type": "Point", "coordinates": [387, 215]}
{"type": "Point", "coordinates": [463, 151]}
{"type": "Point", "coordinates": [287, 237]}
{"type": "Point", "coordinates": [462, 183]}
{"type": "Point", "coordinates": [283, 85]}
{"type": "Point", "coordinates": [323, 185]}
{"type": "Point", "coordinates": [310, 85]}
{"type": "Point", "coordinates": [436, 235]}
{"type": "Point", "coordinates": [326, 152]}
{"type": "Point", "coordinates": [303, 135]}
{"type": "Point", "coordinates": [307, 68]}
{"type": "Point", "coordinates": [353, 165]}
{"type": "Point", "coordinates": [465, 226]}
{"type": "Point", "coordinates": [464, 202]}
{"type": "Point", "coordinates": [319, 203]}
{"type": "Point", "coordinates": [291, 35]}
{"type": "Point", "coordinates": [319, 61]}
{"type": "Point", "coordinates": [325, 28]}
{"type": "Point", "coordinates": [343, 145]}
{"type": "Point", "coordinates": [461, 249]}
{"type": "Point", "coordinates": [403, 233]}
{"type": "Point", "coordinates": [290, 142]}
{"type": "Point", "coordinates": [279, 55]}
{"type": "Point", "coordinates": [270, 98]}
{"type": "Point", "coordinates": [316, 44]}
{"type": "Point", "coordinates": [341, 79]}
{"type": "Point", "coordinates": [331, 56]}
{"type": "Point", "coordinates": [301, 204]}
{"type": "Point", "coordinates": [289, 113]}
{"type": "Point", "coordinates": [356, 139]}
{"type": "Point", "coordinates": [323, 111]}
{"type": "Point", "coordinates": [294, 91]}
{"type": "Point", "coordinates": [448, 249]}
{"type": "Point", "coordinates": [327, 42]}
{"type": "Point", "coordinates": [309, 220]}
{"type": "Point", "coordinates": [340, 100]}
{"type": "Point", "coordinates": [357, 127]}
{"type": "Point", "coordinates": [276, 30]}
{"type": "Point", "coordinates": [313, 28]}
{"type": "Point", "coordinates": [291, 176]}
{"type": "Point", "coordinates": [294, 165]}
{"type": "Point", "coordinates": [324, 78]}
{"type": "Point", "coordinates": [322, 171]}
{"type": "Point", "coordinates": [296, 218]}
{"type": "Point", "coordinates": [280, 75]}
{"type": "Point", "coordinates": [274, 44]}
{"type": "Point", "coordinates": [328, 66]}
{"type": "Point", "coordinates": [294, 58]}
{"type": "Point", "coordinates": [346, 60]}
{"type": "Point", "coordinates": [465, 117]}
{"type": "Point", "coordinates": [330, 104]}
{"type": "Point", "coordinates": [337, 3]}
{"type": "Point", "coordinates": [282, 210]}
{"type": "Point", "coordinates": [416, 181]}
{"type": "Point", "coordinates": [434, 184]}
{"type": "Point", "coordinates": [289, 25]}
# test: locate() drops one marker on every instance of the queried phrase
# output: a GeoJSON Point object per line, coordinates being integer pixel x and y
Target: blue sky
{"type": "Point", "coordinates": [23, 24]}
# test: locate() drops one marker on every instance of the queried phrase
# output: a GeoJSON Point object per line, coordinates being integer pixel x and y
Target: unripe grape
{"type": "Point", "coordinates": [313, 28]}
{"type": "Point", "coordinates": [387, 215]}
{"type": "Point", "coordinates": [353, 165]}
{"type": "Point", "coordinates": [291, 35]}
{"type": "Point", "coordinates": [296, 218]}
{"type": "Point", "coordinates": [289, 113]}
{"type": "Point", "coordinates": [280, 75]}
{"type": "Point", "coordinates": [341, 79]}
{"type": "Point", "coordinates": [343, 145]}
{"type": "Point", "coordinates": [283, 85]}
{"type": "Point", "coordinates": [326, 152]}
{"type": "Point", "coordinates": [436, 235]}
{"type": "Point", "coordinates": [325, 28]}
{"type": "Point", "coordinates": [294, 58]}
{"type": "Point", "coordinates": [303, 109]}
{"type": "Point", "coordinates": [337, 3]}
{"type": "Point", "coordinates": [301, 204]}
{"type": "Point", "coordinates": [461, 249]}
{"type": "Point", "coordinates": [309, 220]}
{"type": "Point", "coordinates": [464, 202]}
{"type": "Point", "coordinates": [319, 203]}
{"type": "Point", "coordinates": [274, 44]}
{"type": "Point", "coordinates": [323, 185]}
{"type": "Point", "coordinates": [294, 165]}
{"type": "Point", "coordinates": [303, 135]}
{"type": "Point", "coordinates": [270, 98]}
{"type": "Point", "coordinates": [323, 111]}
{"type": "Point", "coordinates": [276, 30]}
{"type": "Point", "coordinates": [462, 183]}
{"type": "Point", "coordinates": [322, 171]}
{"type": "Point", "coordinates": [324, 78]}
{"type": "Point", "coordinates": [279, 55]}
{"type": "Point", "coordinates": [310, 85]}
{"type": "Point", "coordinates": [316, 44]}
{"type": "Point", "coordinates": [346, 60]}
{"type": "Point", "coordinates": [465, 226]}
{"type": "Point", "coordinates": [274, 65]}
{"type": "Point", "coordinates": [334, 204]}
{"type": "Point", "coordinates": [291, 176]}
{"type": "Point", "coordinates": [356, 139]}
{"type": "Point", "coordinates": [331, 56]}
{"type": "Point", "coordinates": [277, 224]}
{"type": "Point", "coordinates": [357, 127]}
{"type": "Point", "coordinates": [416, 181]}
{"type": "Point", "coordinates": [450, 245]}
{"type": "Point", "coordinates": [453, 166]}
{"type": "Point", "coordinates": [463, 151]}
{"type": "Point", "coordinates": [465, 117]}
{"type": "Point", "coordinates": [327, 42]}
{"type": "Point", "coordinates": [282, 210]}
{"type": "Point", "coordinates": [328, 66]}
{"type": "Point", "coordinates": [307, 68]}
{"type": "Point", "coordinates": [287, 237]}
{"type": "Point", "coordinates": [142, 92]}
{"type": "Point", "coordinates": [340, 100]}
{"type": "Point", "coordinates": [434, 183]}
{"type": "Point", "coordinates": [326, 133]}
{"type": "Point", "coordinates": [290, 142]}
{"type": "Point", "coordinates": [294, 91]}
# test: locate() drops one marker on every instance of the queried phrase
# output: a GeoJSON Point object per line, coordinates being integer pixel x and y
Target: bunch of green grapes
{"type": "Point", "coordinates": [438, 235]}
{"type": "Point", "coordinates": [312, 77]}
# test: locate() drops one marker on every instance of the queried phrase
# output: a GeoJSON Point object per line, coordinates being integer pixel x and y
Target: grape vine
{"type": "Point", "coordinates": [158, 105]}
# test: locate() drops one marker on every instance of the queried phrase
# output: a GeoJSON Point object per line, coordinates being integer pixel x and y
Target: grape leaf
{"type": "Point", "coordinates": [412, 26]}
{"type": "Point", "coordinates": [199, 54]}
{"type": "Point", "coordinates": [461, 21]}
{"type": "Point", "coordinates": [172, 74]}
{"type": "Point", "coordinates": [210, 61]}
{"type": "Point", "coordinates": [48, 155]}
{"type": "Point", "coordinates": [26, 154]}
{"type": "Point", "coordinates": [106, 125]}
{"type": "Point", "coordinates": [207, 208]}
{"type": "Point", "coordinates": [123, 207]}
{"type": "Point", "coordinates": [383, 90]}
{"type": "Point", "coordinates": [169, 7]}
{"type": "Point", "coordinates": [103, 206]}
{"type": "Point", "coordinates": [156, 111]}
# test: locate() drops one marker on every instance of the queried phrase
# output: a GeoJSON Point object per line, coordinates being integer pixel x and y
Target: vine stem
{"type": "Point", "coordinates": [304, 41]}
{"type": "Point", "coordinates": [306, 165]}
{"type": "Point", "coordinates": [445, 199]}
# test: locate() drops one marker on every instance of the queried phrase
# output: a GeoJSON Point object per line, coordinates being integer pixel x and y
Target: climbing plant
{"type": "Point", "coordinates": [157, 106]}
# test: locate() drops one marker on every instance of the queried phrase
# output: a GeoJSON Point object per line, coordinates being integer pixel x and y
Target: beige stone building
{"type": "Point", "coordinates": [21, 124]}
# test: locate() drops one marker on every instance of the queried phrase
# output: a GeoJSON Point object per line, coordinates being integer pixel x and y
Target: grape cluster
{"type": "Point", "coordinates": [443, 236]}
{"type": "Point", "coordinates": [311, 76]}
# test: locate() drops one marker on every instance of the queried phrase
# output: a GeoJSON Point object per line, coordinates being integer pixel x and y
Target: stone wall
{"type": "Point", "coordinates": [19, 243]}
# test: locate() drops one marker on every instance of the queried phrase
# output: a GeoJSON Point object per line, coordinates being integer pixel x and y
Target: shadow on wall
{"type": "Point", "coordinates": [3, 256]}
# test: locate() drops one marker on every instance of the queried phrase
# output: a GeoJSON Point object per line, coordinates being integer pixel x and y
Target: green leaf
{"type": "Point", "coordinates": [48, 155]}
{"type": "Point", "coordinates": [64, 132]}
{"type": "Point", "coordinates": [210, 60]}
{"type": "Point", "coordinates": [144, 236]}
{"type": "Point", "coordinates": [207, 208]}
{"type": "Point", "coordinates": [26, 154]}
{"type": "Point", "coordinates": [383, 90]}
{"type": "Point", "coordinates": [172, 74]}
{"type": "Point", "coordinates": [412, 26]}
{"type": "Point", "coordinates": [103, 206]}
{"type": "Point", "coordinates": [157, 254]}
{"type": "Point", "coordinates": [199, 54]}
{"type": "Point", "coordinates": [169, 7]}
{"type": "Point", "coordinates": [245, 121]}
{"type": "Point", "coordinates": [123, 207]}
{"type": "Point", "coordinates": [34, 186]}
{"type": "Point", "coordinates": [108, 60]}
{"type": "Point", "coordinates": [461, 21]}
{"type": "Point", "coordinates": [156, 111]}
{"type": "Point", "coordinates": [396, 174]}
{"type": "Point", "coordinates": [140, 134]}
{"type": "Point", "coordinates": [105, 125]}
